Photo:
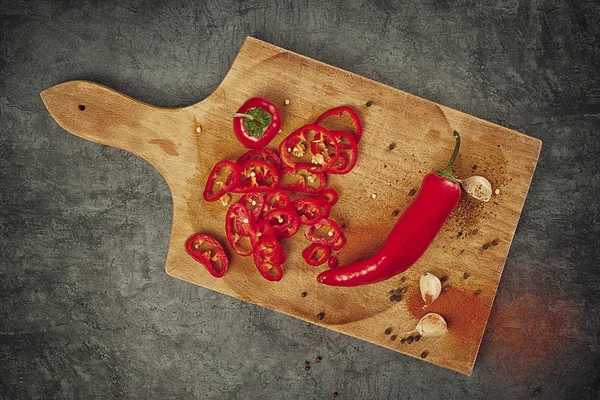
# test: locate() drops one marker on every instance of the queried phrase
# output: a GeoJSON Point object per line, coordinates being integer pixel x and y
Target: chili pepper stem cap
{"type": "Point", "coordinates": [447, 172]}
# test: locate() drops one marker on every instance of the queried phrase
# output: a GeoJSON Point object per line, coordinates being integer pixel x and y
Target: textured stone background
{"type": "Point", "coordinates": [86, 310]}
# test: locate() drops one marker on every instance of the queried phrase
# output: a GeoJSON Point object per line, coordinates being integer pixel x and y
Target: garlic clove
{"type": "Point", "coordinates": [478, 187]}
{"type": "Point", "coordinates": [432, 325]}
{"type": "Point", "coordinates": [431, 287]}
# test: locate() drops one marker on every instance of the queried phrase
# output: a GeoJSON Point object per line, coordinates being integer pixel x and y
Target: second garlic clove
{"type": "Point", "coordinates": [432, 325]}
{"type": "Point", "coordinates": [478, 187]}
{"type": "Point", "coordinates": [431, 287]}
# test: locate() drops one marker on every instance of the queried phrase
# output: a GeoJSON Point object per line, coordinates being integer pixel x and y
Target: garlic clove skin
{"type": "Point", "coordinates": [478, 187]}
{"type": "Point", "coordinates": [431, 287]}
{"type": "Point", "coordinates": [432, 325]}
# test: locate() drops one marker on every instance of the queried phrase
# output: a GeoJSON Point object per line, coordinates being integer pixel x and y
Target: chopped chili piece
{"type": "Point", "coordinates": [263, 155]}
{"type": "Point", "coordinates": [237, 241]}
{"type": "Point", "coordinates": [243, 220]}
{"type": "Point", "coordinates": [310, 146]}
{"type": "Point", "coordinates": [325, 206]}
{"type": "Point", "coordinates": [300, 179]}
{"type": "Point", "coordinates": [331, 195]}
{"type": "Point", "coordinates": [316, 254]}
{"type": "Point", "coordinates": [333, 120]}
{"type": "Point", "coordinates": [284, 221]}
{"type": "Point", "coordinates": [324, 231]}
{"type": "Point", "coordinates": [332, 262]}
{"type": "Point", "coordinates": [341, 242]}
{"type": "Point", "coordinates": [208, 252]}
{"type": "Point", "coordinates": [267, 258]}
{"type": "Point", "coordinates": [309, 210]}
{"type": "Point", "coordinates": [275, 199]}
{"type": "Point", "coordinates": [256, 122]}
{"type": "Point", "coordinates": [224, 177]}
{"type": "Point", "coordinates": [348, 155]}
{"type": "Point", "coordinates": [261, 231]}
{"type": "Point", "coordinates": [254, 202]}
{"type": "Point", "coordinates": [257, 176]}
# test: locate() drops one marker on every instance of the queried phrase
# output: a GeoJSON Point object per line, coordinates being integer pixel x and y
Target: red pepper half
{"type": "Point", "coordinates": [263, 155]}
{"type": "Point", "coordinates": [310, 146]}
{"type": "Point", "coordinates": [238, 242]}
{"type": "Point", "coordinates": [284, 221]}
{"type": "Point", "coordinates": [316, 254]}
{"type": "Point", "coordinates": [348, 155]}
{"type": "Point", "coordinates": [334, 119]}
{"type": "Point", "coordinates": [267, 257]}
{"type": "Point", "coordinates": [300, 179]}
{"type": "Point", "coordinates": [416, 228]}
{"type": "Point", "coordinates": [308, 209]}
{"type": "Point", "coordinates": [254, 202]}
{"type": "Point", "coordinates": [207, 251]}
{"type": "Point", "coordinates": [224, 177]}
{"type": "Point", "coordinates": [324, 231]}
{"type": "Point", "coordinates": [257, 176]}
{"type": "Point", "coordinates": [256, 123]}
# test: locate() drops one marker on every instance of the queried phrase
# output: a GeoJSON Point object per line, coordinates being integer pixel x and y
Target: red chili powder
{"type": "Point", "coordinates": [463, 311]}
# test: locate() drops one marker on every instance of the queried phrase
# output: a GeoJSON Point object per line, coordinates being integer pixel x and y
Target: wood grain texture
{"type": "Point", "coordinates": [421, 131]}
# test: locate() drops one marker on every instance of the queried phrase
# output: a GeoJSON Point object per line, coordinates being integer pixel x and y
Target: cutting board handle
{"type": "Point", "coordinates": [103, 115]}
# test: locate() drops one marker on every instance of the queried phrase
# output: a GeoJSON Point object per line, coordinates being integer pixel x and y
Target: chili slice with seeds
{"type": "Point", "coordinates": [308, 209]}
{"type": "Point", "coordinates": [217, 185]}
{"type": "Point", "coordinates": [324, 231]}
{"type": "Point", "coordinates": [316, 254]}
{"type": "Point", "coordinates": [238, 242]}
{"type": "Point", "coordinates": [267, 256]}
{"type": "Point", "coordinates": [257, 176]}
{"type": "Point", "coordinates": [254, 202]}
{"type": "Point", "coordinates": [209, 252]}
{"type": "Point", "coordinates": [333, 120]}
{"type": "Point", "coordinates": [300, 179]}
{"type": "Point", "coordinates": [263, 155]}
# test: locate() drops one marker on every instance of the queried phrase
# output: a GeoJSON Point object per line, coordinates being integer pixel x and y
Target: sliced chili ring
{"type": "Point", "coordinates": [300, 179]}
{"type": "Point", "coordinates": [257, 176]}
{"type": "Point", "coordinates": [284, 221]}
{"type": "Point", "coordinates": [267, 256]}
{"type": "Point", "coordinates": [316, 254]}
{"type": "Point", "coordinates": [341, 242]}
{"type": "Point", "coordinates": [309, 210]}
{"type": "Point", "coordinates": [348, 155]}
{"type": "Point", "coordinates": [333, 262]}
{"type": "Point", "coordinates": [311, 146]}
{"type": "Point", "coordinates": [275, 199]}
{"type": "Point", "coordinates": [263, 155]}
{"type": "Point", "coordinates": [238, 242]}
{"type": "Point", "coordinates": [334, 120]}
{"type": "Point", "coordinates": [254, 202]}
{"type": "Point", "coordinates": [261, 231]}
{"type": "Point", "coordinates": [224, 177]}
{"type": "Point", "coordinates": [243, 220]}
{"type": "Point", "coordinates": [326, 207]}
{"type": "Point", "coordinates": [209, 252]}
{"type": "Point", "coordinates": [324, 231]}
{"type": "Point", "coordinates": [331, 195]}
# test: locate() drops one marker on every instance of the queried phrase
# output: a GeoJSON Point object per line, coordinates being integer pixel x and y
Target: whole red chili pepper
{"type": "Point", "coordinates": [415, 230]}
{"type": "Point", "coordinates": [256, 123]}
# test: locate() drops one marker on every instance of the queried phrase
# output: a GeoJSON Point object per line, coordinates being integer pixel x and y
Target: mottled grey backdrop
{"type": "Point", "coordinates": [86, 310]}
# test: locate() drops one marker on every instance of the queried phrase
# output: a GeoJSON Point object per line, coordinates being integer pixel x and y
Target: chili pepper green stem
{"type": "Point", "coordinates": [447, 173]}
{"type": "Point", "coordinates": [242, 115]}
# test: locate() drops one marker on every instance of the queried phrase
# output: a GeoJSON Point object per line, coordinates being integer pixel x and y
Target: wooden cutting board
{"type": "Point", "coordinates": [404, 138]}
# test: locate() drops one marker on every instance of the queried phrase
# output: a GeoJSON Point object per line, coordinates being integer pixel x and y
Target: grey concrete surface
{"type": "Point", "coordinates": [86, 310]}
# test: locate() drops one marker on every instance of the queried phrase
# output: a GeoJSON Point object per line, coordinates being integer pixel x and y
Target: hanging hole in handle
{"type": "Point", "coordinates": [81, 107]}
